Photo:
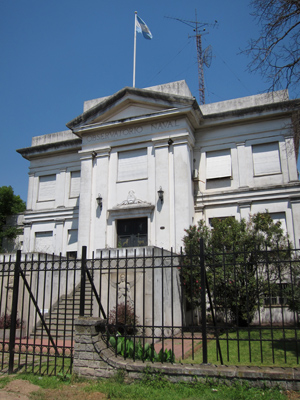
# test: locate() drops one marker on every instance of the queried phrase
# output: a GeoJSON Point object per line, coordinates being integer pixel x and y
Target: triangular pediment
{"type": "Point", "coordinates": [130, 109]}
{"type": "Point", "coordinates": [130, 104]}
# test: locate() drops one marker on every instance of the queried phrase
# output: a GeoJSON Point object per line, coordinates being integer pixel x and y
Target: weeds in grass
{"type": "Point", "coordinates": [119, 377]}
{"type": "Point", "coordinates": [152, 386]}
{"type": "Point", "coordinates": [154, 378]}
{"type": "Point", "coordinates": [45, 382]}
{"type": "Point", "coordinates": [4, 381]}
{"type": "Point", "coordinates": [64, 377]}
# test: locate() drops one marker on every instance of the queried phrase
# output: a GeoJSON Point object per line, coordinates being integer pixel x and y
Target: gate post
{"type": "Point", "coordinates": [203, 303]}
{"type": "Point", "coordinates": [14, 310]}
{"type": "Point", "coordinates": [82, 281]}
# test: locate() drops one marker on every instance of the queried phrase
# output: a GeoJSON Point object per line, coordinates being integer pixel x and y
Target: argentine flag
{"type": "Point", "coordinates": [141, 27]}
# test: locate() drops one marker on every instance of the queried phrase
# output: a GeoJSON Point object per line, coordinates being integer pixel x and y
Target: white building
{"type": "Point", "coordinates": [98, 183]}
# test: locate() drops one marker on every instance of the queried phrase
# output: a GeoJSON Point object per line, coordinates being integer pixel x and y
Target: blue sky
{"type": "Point", "coordinates": [57, 54]}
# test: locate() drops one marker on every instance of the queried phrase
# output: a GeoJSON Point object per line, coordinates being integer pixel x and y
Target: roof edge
{"type": "Point", "coordinates": [146, 93]}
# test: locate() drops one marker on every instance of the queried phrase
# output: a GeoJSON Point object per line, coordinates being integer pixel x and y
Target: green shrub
{"type": "Point", "coordinates": [239, 270]}
{"type": "Point", "coordinates": [5, 322]}
{"type": "Point", "coordinates": [122, 319]}
{"type": "Point", "coordinates": [128, 348]}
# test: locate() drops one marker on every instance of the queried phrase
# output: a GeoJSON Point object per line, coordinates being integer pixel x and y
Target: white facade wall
{"type": "Point", "coordinates": [224, 159]}
{"type": "Point", "coordinates": [263, 172]}
{"type": "Point", "coordinates": [52, 215]}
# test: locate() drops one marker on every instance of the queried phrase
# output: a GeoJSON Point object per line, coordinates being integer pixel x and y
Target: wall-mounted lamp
{"type": "Point", "coordinates": [160, 193]}
{"type": "Point", "coordinates": [99, 200]}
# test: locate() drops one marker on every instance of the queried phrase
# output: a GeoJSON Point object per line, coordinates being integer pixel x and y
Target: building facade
{"type": "Point", "coordinates": [138, 167]}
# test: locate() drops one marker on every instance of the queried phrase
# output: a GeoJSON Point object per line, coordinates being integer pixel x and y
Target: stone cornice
{"type": "Point", "coordinates": [139, 95]}
{"type": "Point", "coordinates": [50, 214]}
{"type": "Point", "coordinates": [63, 146]}
{"type": "Point", "coordinates": [244, 195]}
{"type": "Point", "coordinates": [268, 111]}
{"type": "Point", "coordinates": [130, 203]}
{"type": "Point", "coordinates": [192, 116]}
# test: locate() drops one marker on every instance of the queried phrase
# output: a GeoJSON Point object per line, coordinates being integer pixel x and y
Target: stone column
{"type": "Point", "coordinates": [27, 238]}
{"type": "Point", "coordinates": [100, 186]}
{"type": "Point", "coordinates": [199, 213]}
{"type": "Point", "coordinates": [90, 351]}
{"type": "Point", "coordinates": [291, 159]}
{"type": "Point", "coordinates": [243, 166]}
{"type": "Point", "coordinates": [85, 202]}
{"type": "Point", "coordinates": [30, 199]}
{"type": "Point", "coordinates": [245, 209]}
{"type": "Point", "coordinates": [295, 206]}
{"type": "Point", "coordinates": [183, 188]}
{"type": "Point", "coordinates": [60, 188]}
{"type": "Point", "coordinates": [59, 236]}
{"type": "Point", "coordinates": [163, 180]}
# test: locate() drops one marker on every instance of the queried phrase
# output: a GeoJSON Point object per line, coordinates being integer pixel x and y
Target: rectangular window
{"type": "Point", "coordinates": [132, 165]}
{"type": "Point", "coordinates": [44, 242]}
{"type": "Point", "coordinates": [75, 184]}
{"type": "Point", "coordinates": [218, 164]}
{"type": "Point", "coordinates": [72, 236]}
{"type": "Point", "coordinates": [280, 217]}
{"type": "Point", "coordinates": [211, 220]}
{"type": "Point", "coordinates": [47, 185]}
{"type": "Point", "coordinates": [132, 232]}
{"type": "Point", "coordinates": [72, 254]}
{"type": "Point", "coordinates": [277, 295]}
{"type": "Point", "coordinates": [266, 160]}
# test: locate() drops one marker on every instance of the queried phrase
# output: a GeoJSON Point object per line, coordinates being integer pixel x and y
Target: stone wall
{"type": "Point", "coordinates": [93, 359]}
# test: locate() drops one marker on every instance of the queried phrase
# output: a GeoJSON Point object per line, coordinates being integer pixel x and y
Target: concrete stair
{"type": "Point", "coordinates": [60, 319]}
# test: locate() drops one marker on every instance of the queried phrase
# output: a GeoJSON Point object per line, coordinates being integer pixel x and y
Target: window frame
{"type": "Point", "coordinates": [256, 162]}
{"type": "Point", "coordinates": [224, 169]}
{"type": "Point", "coordinates": [52, 189]}
{"type": "Point", "coordinates": [142, 173]}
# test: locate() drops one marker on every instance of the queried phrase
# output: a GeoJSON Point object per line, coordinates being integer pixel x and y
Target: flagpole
{"type": "Point", "coordinates": [134, 49]}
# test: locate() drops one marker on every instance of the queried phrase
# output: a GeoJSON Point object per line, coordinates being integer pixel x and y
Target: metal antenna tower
{"type": "Point", "coordinates": [203, 57]}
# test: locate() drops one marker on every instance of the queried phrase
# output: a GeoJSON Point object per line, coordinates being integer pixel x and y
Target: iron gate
{"type": "Point", "coordinates": [39, 299]}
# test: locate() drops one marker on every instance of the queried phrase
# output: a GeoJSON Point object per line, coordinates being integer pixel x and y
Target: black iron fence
{"type": "Point", "coordinates": [159, 306]}
{"type": "Point", "coordinates": [39, 299]}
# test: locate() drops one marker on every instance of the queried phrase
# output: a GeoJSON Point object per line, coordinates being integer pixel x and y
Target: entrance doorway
{"type": "Point", "coordinates": [132, 232]}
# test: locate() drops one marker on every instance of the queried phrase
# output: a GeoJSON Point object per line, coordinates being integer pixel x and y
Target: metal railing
{"type": "Point", "coordinates": [158, 305]}
{"type": "Point", "coordinates": [39, 299]}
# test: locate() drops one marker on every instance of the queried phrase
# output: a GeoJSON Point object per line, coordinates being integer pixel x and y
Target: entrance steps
{"type": "Point", "coordinates": [60, 319]}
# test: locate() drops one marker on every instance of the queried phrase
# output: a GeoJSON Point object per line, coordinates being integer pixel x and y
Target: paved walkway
{"type": "Point", "coordinates": [182, 346]}
{"type": "Point", "coordinates": [27, 345]}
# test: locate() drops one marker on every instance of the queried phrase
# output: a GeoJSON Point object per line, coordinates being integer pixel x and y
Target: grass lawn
{"type": "Point", "coordinates": [42, 365]}
{"type": "Point", "coordinates": [151, 387]}
{"type": "Point", "coordinates": [254, 347]}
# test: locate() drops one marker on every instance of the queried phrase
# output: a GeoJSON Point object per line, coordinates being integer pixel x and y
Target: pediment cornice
{"type": "Point", "coordinates": [153, 105]}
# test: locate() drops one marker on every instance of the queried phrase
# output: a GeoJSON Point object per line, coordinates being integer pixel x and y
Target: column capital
{"type": "Point", "coordinates": [91, 154]}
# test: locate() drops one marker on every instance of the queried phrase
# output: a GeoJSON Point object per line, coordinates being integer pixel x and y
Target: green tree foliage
{"type": "Point", "coordinates": [292, 292]}
{"type": "Point", "coordinates": [10, 204]}
{"type": "Point", "coordinates": [243, 261]}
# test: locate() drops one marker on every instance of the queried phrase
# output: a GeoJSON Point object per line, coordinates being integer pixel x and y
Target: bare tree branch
{"type": "Point", "coordinates": [276, 53]}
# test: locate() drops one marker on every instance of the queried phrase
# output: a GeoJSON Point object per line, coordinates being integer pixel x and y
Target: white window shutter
{"type": "Point", "coordinates": [266, 159]}
{"type": "Point", "coordinates": [218, 164]}
{"type": "Point", "coordinates": [47, 185]}
{"type": "Point", "coordinates": [75, 184]}
{"type": "Point", "coordinates": [44, 242]}
{"type": "Point", "coordinates": [132, 165]}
